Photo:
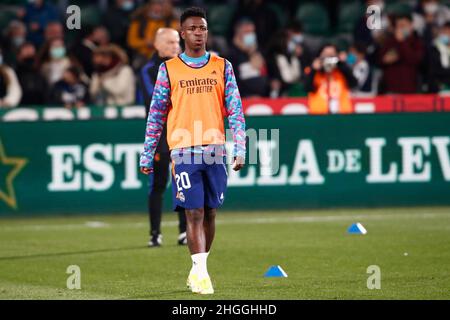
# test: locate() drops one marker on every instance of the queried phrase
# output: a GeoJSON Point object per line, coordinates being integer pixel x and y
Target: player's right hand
{"type": "Point", "coordinates": [146, 170]}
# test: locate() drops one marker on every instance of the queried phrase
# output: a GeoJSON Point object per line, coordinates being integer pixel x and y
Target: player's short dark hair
{"type": "Point", "coordinates": [192, 12]}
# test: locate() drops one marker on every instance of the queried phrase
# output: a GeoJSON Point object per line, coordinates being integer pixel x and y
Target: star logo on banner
{"type": "Point", "coordinates": [7, 175]}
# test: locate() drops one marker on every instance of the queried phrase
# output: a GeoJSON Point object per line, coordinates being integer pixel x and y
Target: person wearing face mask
{"type": "Point", "coordinates": [250, 65]}
{"type": "Point", "coordinates": [34, 85]}
{"type": "Point", "coordinates": [117, 20]}
{"type": "Point", "coordinates": [144, 23]}
{"type": "Point", "coordinates": [113, 82]}
{"type": "Point", "coordinates": [15, 36]}
{"type": "Point", "coordinates": [53, 61]}
{"type": "Point", "coordinates": [288, 56]}
{"type": "Point", "coordinates": [37, 14]}
{"type": "Point", "coordinates": [362, 71]}
{"type": "Point", "coordinates": [93, 38]}
{"type": "Point", "coordinates": [10, 90]}
{"type": "Point", "coordinates": [400, 58]}
{"type": "Point", "coordinates": [439, 62]}
{"type": "Point", "coordinates": [329, 81]}
{"type": "Point", "coordinates": [428, 17]}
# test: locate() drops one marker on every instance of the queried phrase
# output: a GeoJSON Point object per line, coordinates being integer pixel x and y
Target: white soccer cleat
{"type": "Point", "coordinates": [200, 286]}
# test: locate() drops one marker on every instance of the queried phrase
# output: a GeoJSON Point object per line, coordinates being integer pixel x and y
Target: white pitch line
{"type": "Point", "coordinates": [231, 221]}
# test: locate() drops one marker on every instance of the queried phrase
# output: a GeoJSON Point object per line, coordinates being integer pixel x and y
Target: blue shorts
{"type": "Point", "coordinates": [198, 182]}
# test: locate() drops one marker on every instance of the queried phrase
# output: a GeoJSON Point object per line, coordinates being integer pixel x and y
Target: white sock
{"type": "Point", "coordinates": [199, 264]}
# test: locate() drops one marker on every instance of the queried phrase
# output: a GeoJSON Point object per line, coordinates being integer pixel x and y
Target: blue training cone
{"type": "Point", "coordinates": [275, 271]}
{"type": "Point", "coordinates": [357, 228]}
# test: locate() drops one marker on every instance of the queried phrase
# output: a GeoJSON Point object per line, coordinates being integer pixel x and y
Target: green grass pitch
{"type": "Point", "coordinates": [410, 245]}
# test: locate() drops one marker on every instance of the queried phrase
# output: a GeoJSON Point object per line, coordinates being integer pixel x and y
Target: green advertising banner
{"type": "Point", "coordinates": [91, 166]}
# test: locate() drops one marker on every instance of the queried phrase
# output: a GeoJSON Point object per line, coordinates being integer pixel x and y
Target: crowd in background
{"type": "Point", "coordinates": [40, 65]}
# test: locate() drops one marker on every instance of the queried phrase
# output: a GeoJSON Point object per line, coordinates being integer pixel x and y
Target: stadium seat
{"type": "Point", "coordinates": [221, 15]}
{"type": "Point", "coordinates": [6, 16]}
{"type": "Point", "coordinates": [279, 13]}
{"type": "Point", "coordinates": [314, 18]}
{"type": "Point", "coordinates": [91, 16]}
{"type": "Point", "coordinates": [398, 7]}
{"type": "Point", "coordinates": [349, 14]}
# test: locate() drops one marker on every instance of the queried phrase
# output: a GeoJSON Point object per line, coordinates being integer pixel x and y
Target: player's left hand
{"type": "Point", "coordinates": [238, 163]}
{"type": "Point", "coordinates": [146, 170]}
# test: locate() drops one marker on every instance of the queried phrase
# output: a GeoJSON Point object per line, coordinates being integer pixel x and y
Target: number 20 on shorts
{"type": "Point", "coordinates": [183, 177]}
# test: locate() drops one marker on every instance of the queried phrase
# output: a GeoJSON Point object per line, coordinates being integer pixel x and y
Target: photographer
{"type": "Point", "coordinates": [329, 82]}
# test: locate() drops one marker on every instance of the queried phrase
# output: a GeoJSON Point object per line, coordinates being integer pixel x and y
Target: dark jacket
{"type": "Point", "coordinates": [403, 75]}
{"type": "Point", "coordinates": [439, 76]}
{"type": "Point", "coordinates": [147, 80]}
{"type": "Point", "coordinates": [34, 86]}
{"type": "Point", "coordinates": [63, 93]}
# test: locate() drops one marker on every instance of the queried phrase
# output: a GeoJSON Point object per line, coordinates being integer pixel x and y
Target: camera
{"type": "Point", "coordinates": [329, 63]}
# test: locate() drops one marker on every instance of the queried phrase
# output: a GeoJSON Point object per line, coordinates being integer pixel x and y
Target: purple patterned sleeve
{"type": "Point", "coordinates": [233, 105]}
{"type": "Point", "coordinates": [157, 117]}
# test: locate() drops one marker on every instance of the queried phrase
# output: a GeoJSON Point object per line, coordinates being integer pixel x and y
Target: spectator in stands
{"type": "Point", "coordinates": [429, 16]}
{"type": "Point", "coordinates": [113, 82]}
{"type": "Point", "coordinates": [10, 91]}
{"type": "Point", "coordinates": [249, 63]}
{"type": "Point", "coordinates": [53, 61]}
{"type": "Point", "coordinates": [329, 82]}
{"type": "Point", "coordinates": [36, 15]}
{"type": "Point", "coordinates": [93, 38]}
{"type": "Point", "coordinates": [400, 58]}
{"type": "Point", "coordinates": [439, 61]}
{"type": "Point", "coordinates": [296, 36]}
{"type": "Point", "coordinates": [53, 30]}
{"type": "Point", "coordinates": [262, 16]}
{"type": "Point", "coordinates": [117, 20]}
{"type": "Point", "coordinates": [372, 38]}
{"type": "Point", "coordinates": [362, 71]}
{"type": "Point", "coordinates": [14, 37]}
{"type": "Point", "coordinates": [145, 22]}
{"type": "Point", "coordinates": [70, 91]}
{"type": "Point", "coordinates": [34, 85]}
{"type": "Point", "coordinates": [287, 59]}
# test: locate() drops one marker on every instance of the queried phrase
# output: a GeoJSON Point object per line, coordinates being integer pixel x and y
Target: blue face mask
{"type": "Point", "coordinates": [127, 5]}
{"type": "Point", "coordinates": [444, 39]}
{"type": "Point", "coordinates": [351, 59]}
{"type": "Point", "coordinates": [58, 52]}
{"type": "Point", "coordinates": [250, 39]}
{"type": "Point", "coordinates": [406, 33]}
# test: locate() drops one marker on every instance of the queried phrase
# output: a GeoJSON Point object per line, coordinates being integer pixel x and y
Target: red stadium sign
{"type": "Point", "coordinates": [379, 104]}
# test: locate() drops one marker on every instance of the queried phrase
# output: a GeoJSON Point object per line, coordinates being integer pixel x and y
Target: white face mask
{"type": "Point", "coordinates": [431, 8]}
{"type": "Point", "coordinates": [249, 39]}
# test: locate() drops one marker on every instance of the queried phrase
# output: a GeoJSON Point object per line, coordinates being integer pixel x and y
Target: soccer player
{"type": "Point", "coordinates": [167, 45]}
{"type": "Point", "coordinates": [193, 93]}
